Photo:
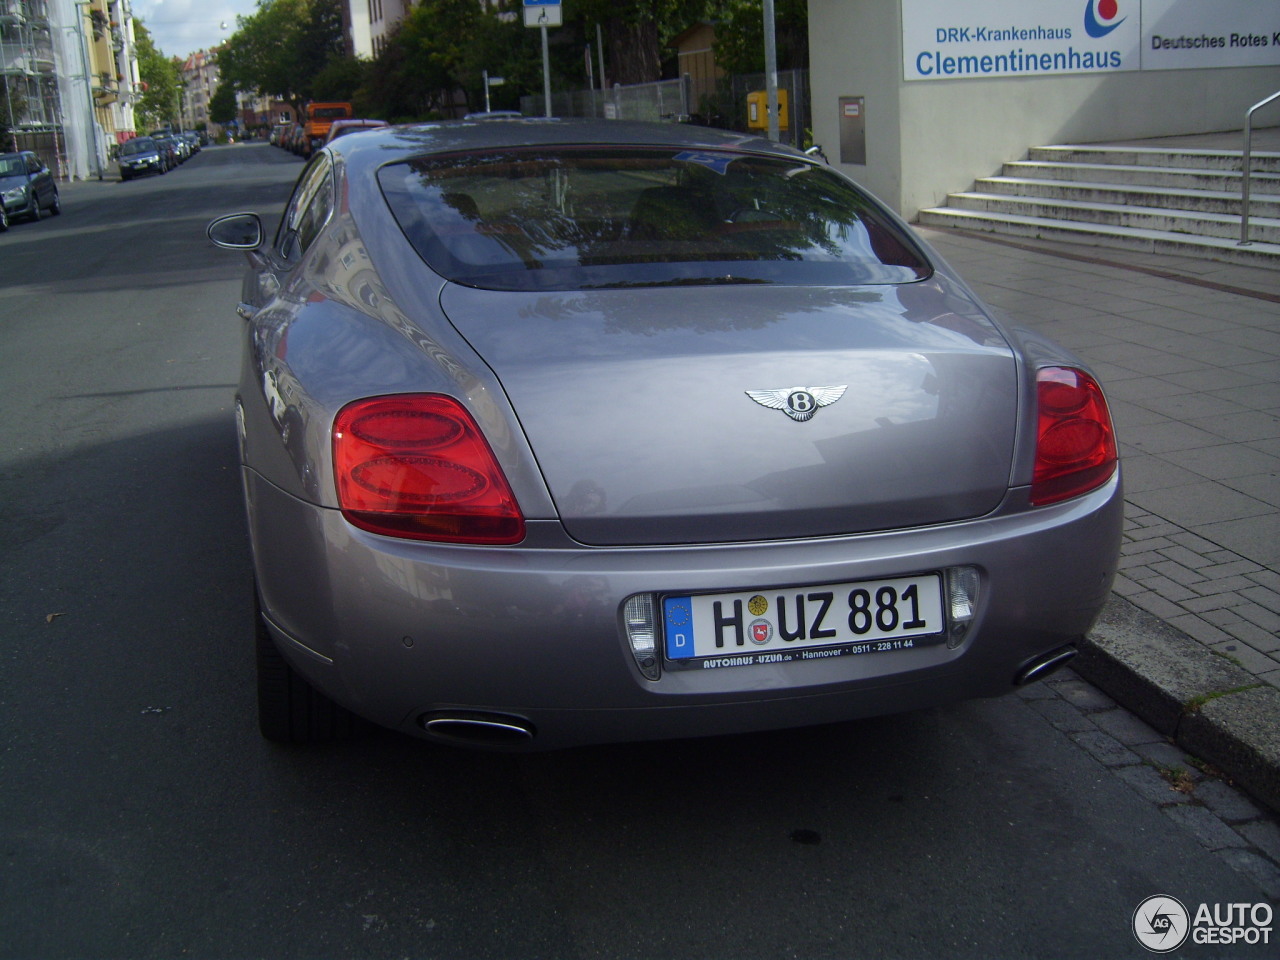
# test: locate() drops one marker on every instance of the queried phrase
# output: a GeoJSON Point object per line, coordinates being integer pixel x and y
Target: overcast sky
{"type": "Point", "coordinates": [181, 27]}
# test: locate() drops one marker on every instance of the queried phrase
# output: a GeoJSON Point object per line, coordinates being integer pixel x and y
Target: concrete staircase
{"type": "Point", "coordinates": [1167, 200]}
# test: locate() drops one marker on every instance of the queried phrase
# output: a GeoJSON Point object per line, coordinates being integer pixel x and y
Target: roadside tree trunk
{"type": "Point", "coordinates": [632, 50]}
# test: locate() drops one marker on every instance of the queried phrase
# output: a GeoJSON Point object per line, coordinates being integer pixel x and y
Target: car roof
{"type": "Point", "coordinates": [378, 146]}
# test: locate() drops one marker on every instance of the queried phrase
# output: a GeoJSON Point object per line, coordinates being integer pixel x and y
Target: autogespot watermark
{"type": "Point", "coordinates": [1162, 924]}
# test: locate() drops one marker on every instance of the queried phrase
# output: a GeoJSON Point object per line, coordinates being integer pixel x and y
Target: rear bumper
{"type": "Point", "coordinates": [397, 631]}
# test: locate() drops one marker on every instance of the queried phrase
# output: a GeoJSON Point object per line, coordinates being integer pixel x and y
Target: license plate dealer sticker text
{"type": "Point", "coordinates": [803, 623]}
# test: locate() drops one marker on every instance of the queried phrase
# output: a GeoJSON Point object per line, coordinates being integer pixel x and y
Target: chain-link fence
{"type": "Point", "coordinates": [664, 100]}
{"type": "Point", "coordinates": [717, 103]}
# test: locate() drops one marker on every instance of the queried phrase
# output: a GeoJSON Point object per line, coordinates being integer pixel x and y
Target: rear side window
{"type": "Point", "coordinates": [571, 218]}
{"type": "Point", "coordinates": [309, 209]}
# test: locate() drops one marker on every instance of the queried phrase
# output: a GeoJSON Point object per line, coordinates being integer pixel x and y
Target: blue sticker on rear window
{"type": "Point", "coordinates": [715, 162]}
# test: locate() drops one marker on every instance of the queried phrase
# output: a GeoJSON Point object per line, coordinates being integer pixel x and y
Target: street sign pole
{"type": "Point", "coordinates": [543, 14]}
{"type": "Point", "coordinates": [600, 54]}
{"type": "Point", "coordinates": [546, 75]}
{"type": "Point", "coordinates": [771, 69]}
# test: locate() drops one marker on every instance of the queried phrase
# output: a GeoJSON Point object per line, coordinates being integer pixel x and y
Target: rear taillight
{"type": "Point", "coordinates": [417, 466]}
{"type": "Point", "coordinates": [1075, 443]}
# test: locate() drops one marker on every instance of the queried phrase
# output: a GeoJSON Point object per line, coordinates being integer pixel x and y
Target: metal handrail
{"type": "Point", "coordinates": [1245, 172]}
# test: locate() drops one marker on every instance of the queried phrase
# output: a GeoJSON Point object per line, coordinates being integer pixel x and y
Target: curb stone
{"type": "Point", "coordinates": [1206, 704]}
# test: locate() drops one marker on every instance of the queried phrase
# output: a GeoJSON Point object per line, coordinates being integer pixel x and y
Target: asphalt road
{"type": "Point", "coordinates": [141, 816]}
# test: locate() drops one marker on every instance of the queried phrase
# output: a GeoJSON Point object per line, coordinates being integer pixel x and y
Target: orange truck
{"type": "Point", "coordinates": [320, 117]}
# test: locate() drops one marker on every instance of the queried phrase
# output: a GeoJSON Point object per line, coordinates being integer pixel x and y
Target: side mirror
{"type": "Point", "coordinates": [239, 231]}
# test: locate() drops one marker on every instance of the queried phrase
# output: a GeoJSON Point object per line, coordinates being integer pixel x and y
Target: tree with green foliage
{"type": "Point", "coordinates": [161, 83]}
{"type": "Point", "coordinates": [222, 105]}
{"type": "Point", "coordinates": [281, 48]}
{"type": "Point", "coordinates": [506, 48]}
{"type": "Point", "coordinates": [444, 46]}
{"type": "Point", "coordinates": [740, 35]}
{"type": "Point", "coordinates": [636, 32]}
{"type": "Point", "coordinates": [340, 79]}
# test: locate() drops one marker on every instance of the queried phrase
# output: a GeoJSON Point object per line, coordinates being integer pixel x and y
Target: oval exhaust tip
{"type": "Point", "coordinates": [478, 729]}
{"type": "Point", "coordinates": [1042, 666]}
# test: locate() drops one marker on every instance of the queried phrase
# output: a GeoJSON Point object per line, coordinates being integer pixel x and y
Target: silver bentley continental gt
{"type": "Point", "coordinates": [558, 432]}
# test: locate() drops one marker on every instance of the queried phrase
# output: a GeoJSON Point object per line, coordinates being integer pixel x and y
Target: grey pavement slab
{"type": "Point", "coordinates": [1193, 372]}
{"type": "Point", "coordinates": [1188, 352]}
{"type": "Point", "coordinates": [1200, 798]}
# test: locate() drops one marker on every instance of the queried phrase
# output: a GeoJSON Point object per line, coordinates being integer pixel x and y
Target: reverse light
{"type": "Point", "coordinates": [963, 584]}
{"type": "Point", "coordinates": [642, 634]}
{"type": "Point", "coordinates": [1075, 442]}
{"type": "Point", "coordinates": [417, 466]}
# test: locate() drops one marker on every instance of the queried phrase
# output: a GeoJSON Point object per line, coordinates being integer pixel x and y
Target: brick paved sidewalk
{"type": "Point", "coordinates": [1225, 601]}
{"type": "Point", "coordinates": [1185, 790]}
{"type": "Point", "coordinates": [1189, 354]}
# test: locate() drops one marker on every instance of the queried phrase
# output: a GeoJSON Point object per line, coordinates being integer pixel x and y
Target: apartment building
{"type": "Point", "coordinates": [69, 79]}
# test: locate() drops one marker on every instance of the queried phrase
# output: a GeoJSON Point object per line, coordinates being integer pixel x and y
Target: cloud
{"type": "Point", "coordinates": [181, 27]}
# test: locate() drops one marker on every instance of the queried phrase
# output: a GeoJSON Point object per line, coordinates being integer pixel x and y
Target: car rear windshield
{"type": "Point", "coordinates": [575, 218]}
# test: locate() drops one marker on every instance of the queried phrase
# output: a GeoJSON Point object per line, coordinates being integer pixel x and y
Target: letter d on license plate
{"type": "Point", "coordinates": [802, 623]}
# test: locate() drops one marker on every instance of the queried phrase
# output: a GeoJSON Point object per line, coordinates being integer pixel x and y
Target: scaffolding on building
{"type": "Point", "coordinates": [31, 108]}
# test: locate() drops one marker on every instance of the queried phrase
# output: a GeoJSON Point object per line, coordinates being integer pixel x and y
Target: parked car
{"type": "Point", "coordinates": [560, 432]}
{"type": "Point", "coordinates": [140, 156]}
{"type": "Point", "coordinates": [168, 148]}
{"type": "Point", "coordinates": [27, 187]}
{"type": "Point", "coordinates": [340, 128]}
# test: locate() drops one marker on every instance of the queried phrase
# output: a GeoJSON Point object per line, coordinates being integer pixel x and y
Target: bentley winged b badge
{"type": "Point", "coordinates": [798, 403]}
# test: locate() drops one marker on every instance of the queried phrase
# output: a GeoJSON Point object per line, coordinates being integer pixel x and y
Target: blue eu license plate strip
{"type": "Point", "coordinates": [803, 623]}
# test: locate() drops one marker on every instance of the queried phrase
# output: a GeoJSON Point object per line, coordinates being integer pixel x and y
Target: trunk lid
{"type": "Point", "coordinates": [636, 403]}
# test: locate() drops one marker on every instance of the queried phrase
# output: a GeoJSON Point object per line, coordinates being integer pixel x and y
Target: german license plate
{"type": "Point", "coordinates": [803, 623]}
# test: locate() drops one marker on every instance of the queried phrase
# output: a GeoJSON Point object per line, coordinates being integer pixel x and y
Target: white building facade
{"type": "Point", "coordinates": [917, 98]}
{"type": "Point", "coordinates": [70, 80]}
{"type": "Point", "coordinates": [200, 78]}
{"type": "Point", "coordinates": [381, 17]}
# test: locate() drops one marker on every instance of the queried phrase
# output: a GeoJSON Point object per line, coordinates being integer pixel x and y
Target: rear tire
{"type": "Point", "coordinates": [290, 710]}
{"type": "Point", "coordinates": [4, 219]}
{"type": "Point", "coordinates": [55, 208]}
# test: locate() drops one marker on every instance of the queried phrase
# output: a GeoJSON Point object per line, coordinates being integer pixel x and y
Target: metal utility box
{"type": "Point", "coordinates": [853, 130]}
{"type": "Point", "coordinates": [758, 110]}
